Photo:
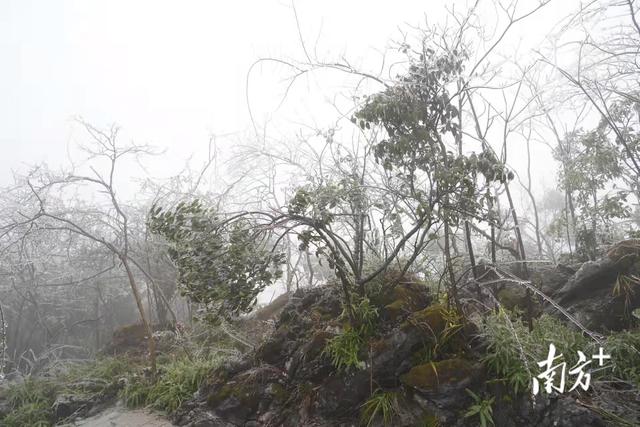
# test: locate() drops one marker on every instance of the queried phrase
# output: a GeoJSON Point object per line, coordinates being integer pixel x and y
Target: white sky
{"type": "Point", "coordinates": [171, 73]}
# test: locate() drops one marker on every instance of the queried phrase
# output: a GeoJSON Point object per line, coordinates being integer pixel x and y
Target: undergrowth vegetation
{"type": "Point", "coordinates": [381, 405]}
{"type": "Point", "coordinates": [513, 352]}
{"type": "Point", "coordinates": [31, 401]}
{"type": "Point", "coordinates": [179, 379]}
{"type": "Point", "coordinates": [344, 348]}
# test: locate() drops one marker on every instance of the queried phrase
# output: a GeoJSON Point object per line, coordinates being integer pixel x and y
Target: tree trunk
{"type": "Point", "coordinates": [145, 321]}
{"type": "Point", "coordinates": [449, 266]}
{"type": "Point", "coordinates": [523, 256]}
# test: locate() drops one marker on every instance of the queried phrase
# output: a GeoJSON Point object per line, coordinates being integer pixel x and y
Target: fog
{"type": "Point", "coordinates": [173, 75]}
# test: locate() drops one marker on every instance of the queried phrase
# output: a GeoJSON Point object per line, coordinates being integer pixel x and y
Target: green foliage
{"type": "Point", "coordinates": [366, 315]}
{"type": "Point", "coordinates": [482, 408]}
{"type": "Point", "coordinates": [222, 265]}
{"type": "Point", "coordinates": [417, 114]}
{"type": "Point", "coordinates": [106, 369]}
{"type": "Point", "coordinates": [511, 348]}
{"type": "Point", "coordinates": [136, 391]}
{"type": "Point", "coordinates": [510, 344]}
{"type": "Point", "coordinates": [30, 403]}
{"type": "Point", "coordinates": [30, 414]}
{"type": "Point", "coordinates": [337, 201]}
{"type": "Point", "coordinates": [453, 325]}
{"type": "Point", "coordinates": [178, 380]}
{"type": "Point", "coordinates": [624, 348]}
{"type": "Point", "coordinates": [343, 349]}
{"type": "Point", "coordinates": [589, 164]}
{"type": "Point", "coordinates": [626, 286]}
{"type": "Point", "coordinates": [380, 404]}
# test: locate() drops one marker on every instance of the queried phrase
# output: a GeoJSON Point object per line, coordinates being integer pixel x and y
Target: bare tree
{"type": "Point", "coordinates": [103, 147]}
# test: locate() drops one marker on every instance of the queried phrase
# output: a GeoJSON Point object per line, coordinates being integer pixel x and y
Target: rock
{"type": "Point", "coordinates": [625, 253]}
{"type": "Point", "coordinates": [132, 339]}
{"type": "Point", "coordinates": [289, 380]}
{"type": "Point", "coordinates": [248, 394]}
{"type": "Point", "coordinates": [591, 296]}
{"type": "Point", "coordinates": [403, 299]}
{"type": "Point", "coordinates": [444, 377]}
{"type": "Point", "coordinates": [590, 279]}
{"type": "Point", "coordinates": [68, 405]}
{"type": "Point", "coordinates": [550, 279]}
{"type": "Point", "coordinates": [547, 411]}
{"type": "Point", "coordinates": [341, 394]}
{"type": "Point", "coordinates": [428, 322]}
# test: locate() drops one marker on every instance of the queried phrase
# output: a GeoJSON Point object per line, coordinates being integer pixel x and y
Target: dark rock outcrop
{"type": "Point", "coordinates": [601, 295]}
{"type": "Point", "coordinates": [415, 356]}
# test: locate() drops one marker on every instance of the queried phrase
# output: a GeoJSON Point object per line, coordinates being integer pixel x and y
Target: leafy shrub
{"type": "Point", "coordinates": [343, 349]}
{"type": "Point", "coordinates": [221, 265]}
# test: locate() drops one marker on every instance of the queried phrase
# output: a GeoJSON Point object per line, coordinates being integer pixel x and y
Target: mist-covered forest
{"type": "Point", "coordinates": [444, 231]}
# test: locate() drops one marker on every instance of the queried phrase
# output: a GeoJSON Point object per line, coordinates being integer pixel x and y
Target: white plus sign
{"type": "Point", "coordinates": [601, 356]}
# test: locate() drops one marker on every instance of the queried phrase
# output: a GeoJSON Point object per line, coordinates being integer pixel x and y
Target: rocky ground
{"type": "Point", "coordinates": [289, 381]}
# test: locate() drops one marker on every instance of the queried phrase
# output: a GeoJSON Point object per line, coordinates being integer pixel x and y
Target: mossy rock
{"type": "Point", "coordinates": [430, 420]}
{"type": "Point", "coordinates": [439, 375]}
{"type": "Point", "coordinates": [625, 253]}
{"type": "Point", "coordinates": [231, 390]}
{"type": "Point", "coordinates": [513, 297]}
{"type": "Point", "coordinates": [431, 321]}
{"type": "Point", "coordinates": [403, 299]}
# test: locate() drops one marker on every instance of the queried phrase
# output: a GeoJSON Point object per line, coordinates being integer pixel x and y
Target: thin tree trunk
{"type": "Point", "coordinates": [145, 321]}
{"type": "Point", "coordinates": [523, 256]}
{"type": "Point", "coordinates": [449, 267]}
{"type": "Point", "coordinates": [533, 200]}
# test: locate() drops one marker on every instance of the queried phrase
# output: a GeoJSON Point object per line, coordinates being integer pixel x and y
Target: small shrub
{"type": "Point", "coordinates": [366, 316]}
{"type": "Point", "coordinates": [513, 352]}
{"type": "Point", "coordinates": [136, 392]}
{"type": "Point", "coordinates": [343, 350]}
{"type": "Point", "coordinates": [482, 408]}
{"type": "Point", "coordinates": [178, 380]}
{"type": "Point", "coordinates": [380, 404]}
{"type": "Point", "coordinates": [181, 378]}
{"type": "Point", "coordinates": [30, 403]}
{"type": "Point", "coordinates": [30, 414]}
{"type": "Point", "coordinates": [624, 348]}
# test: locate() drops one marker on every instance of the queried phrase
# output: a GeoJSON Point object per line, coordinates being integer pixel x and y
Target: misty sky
{"type": "Point", "coordinates": [172, 73]}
